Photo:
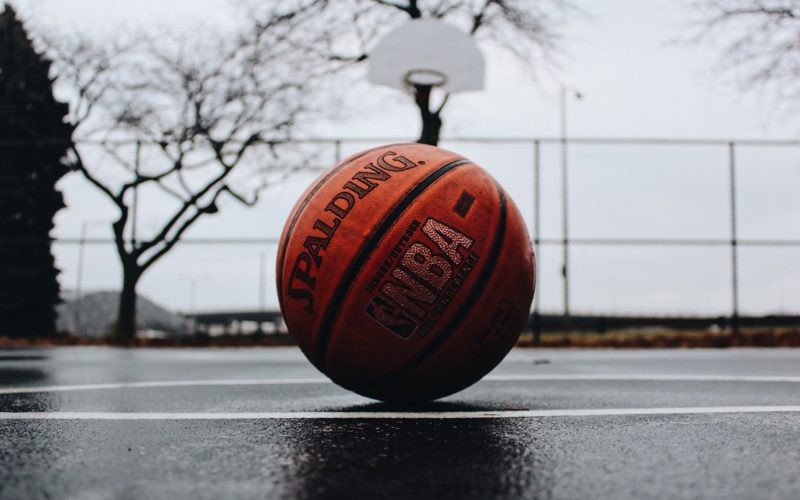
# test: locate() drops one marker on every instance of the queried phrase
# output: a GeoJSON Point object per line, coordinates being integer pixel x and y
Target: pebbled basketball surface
{"type": "Point", "coordinates": [405, 272]}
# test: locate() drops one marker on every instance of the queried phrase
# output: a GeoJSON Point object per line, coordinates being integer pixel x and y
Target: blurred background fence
{"type": "Point", "coordinates": [629, 233]}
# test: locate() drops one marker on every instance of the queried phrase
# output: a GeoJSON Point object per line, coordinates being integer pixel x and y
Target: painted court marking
{"type": "Point", "coordinates": [346, 415]}
{"type": "Point", "coordinates": [160, 384]}
{"type": "Point", "coordinates": [343, 415]}
{"type": "Point", "coordinates": [322, 380]}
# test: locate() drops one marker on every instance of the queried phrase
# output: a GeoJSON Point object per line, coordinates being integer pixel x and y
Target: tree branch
{"type": "Point", "coordinates": [81, 167]}
{"type": "Point", "coordinates": [169, 243]}
{"type": "Point", "coordinates": [479, 17]}
{"type": "Point", "coordinates": [409, 8]}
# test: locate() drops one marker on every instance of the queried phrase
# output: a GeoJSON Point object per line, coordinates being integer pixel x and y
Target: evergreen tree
{"type": "Point", "coordinates": [33, 142]}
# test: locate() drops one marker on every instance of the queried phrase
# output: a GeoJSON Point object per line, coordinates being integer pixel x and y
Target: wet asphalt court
{"type": "Point", "coordinates": [262, 423]}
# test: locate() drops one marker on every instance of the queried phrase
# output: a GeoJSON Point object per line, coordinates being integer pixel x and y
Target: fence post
{"type": "Point", "coordinates": [565, 222]}
{"type": "Point", "coordinates": [337, 150]}
{"type": "Point", "coordinates": [537, 219]}
{"type": "Point", "coordinates": [79, 284]}
{"type": "Point", "coordinates": [262, 283]}
{"type": "Point", "coordinates": [734, 241]}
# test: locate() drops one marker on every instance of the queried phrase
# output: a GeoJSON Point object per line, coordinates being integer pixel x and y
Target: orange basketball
{"type": "Point", "coordinates": [405, 273]}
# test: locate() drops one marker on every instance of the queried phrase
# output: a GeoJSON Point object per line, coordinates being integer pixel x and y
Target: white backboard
{"type": "Point", "coordinates": [429, 47]}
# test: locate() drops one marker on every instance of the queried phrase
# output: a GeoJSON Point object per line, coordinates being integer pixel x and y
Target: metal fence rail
{"type": "Point", "coordinates": [566, 241]}
{"type": "Point", "coordinates": [734, 242]}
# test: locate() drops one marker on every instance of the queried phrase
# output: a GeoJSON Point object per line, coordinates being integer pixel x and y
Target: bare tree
{"type": "Point", "coordinates": [529, 29]}
{"type": "Point", "coordinates": [760, 40]}
{"type": "Point", "coordinates": [181, 115]}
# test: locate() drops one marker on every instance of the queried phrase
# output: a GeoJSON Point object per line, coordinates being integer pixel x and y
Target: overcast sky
{"type": "Point", "coordinates": [637, 82]}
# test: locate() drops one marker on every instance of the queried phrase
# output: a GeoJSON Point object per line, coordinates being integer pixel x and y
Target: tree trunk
{"type": "Point", "coordinates": [431, 121]}
{"type": "Point", "coordinates": [431, 125]}
{"type": "Point", "coordinates": [125, 331]}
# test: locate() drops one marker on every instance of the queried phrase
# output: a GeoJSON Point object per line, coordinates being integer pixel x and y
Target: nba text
{"type": "Point", "coordinates": [424, 282]}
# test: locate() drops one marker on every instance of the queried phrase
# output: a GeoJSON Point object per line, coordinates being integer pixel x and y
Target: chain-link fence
{"type": "Point", "coordinates": [628, 232]}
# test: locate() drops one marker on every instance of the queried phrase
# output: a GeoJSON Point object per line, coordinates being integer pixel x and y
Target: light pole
{"type": "Point", "coordinates": [193, 280]}
{"type": "Point", "coordinates": [564, 92]}
{"type": "Point", "coordinates": [192, 300]}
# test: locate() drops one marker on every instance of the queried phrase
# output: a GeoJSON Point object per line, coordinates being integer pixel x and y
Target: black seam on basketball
{"type": "Point", "coordinates": [299, 211]}
{"type": "Point", "coordinates": [364, 252]}
{"type": "Point", "coordinates": [468, 304]}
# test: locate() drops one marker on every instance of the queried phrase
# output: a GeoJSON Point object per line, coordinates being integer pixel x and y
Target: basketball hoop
{"type": "Point", "coordinates": [425, 78]}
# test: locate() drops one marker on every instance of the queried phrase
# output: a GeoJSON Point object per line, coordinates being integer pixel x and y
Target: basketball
{"type": "Point", "coordinates": [405, 273]}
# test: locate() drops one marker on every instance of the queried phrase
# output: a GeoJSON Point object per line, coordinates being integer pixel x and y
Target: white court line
{"type": "Point", "coordinates": [322, 380]}
{"type": "Point", "coordinates": [166, 383]}
{"type": "Point", "coordinates": [646, 378]}
{"type": "Point", "coordinates": [446, 415]}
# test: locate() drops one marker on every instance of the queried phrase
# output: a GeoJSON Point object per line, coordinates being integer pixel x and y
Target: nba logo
{"type": "Point", "coordinates": [391, 317]}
